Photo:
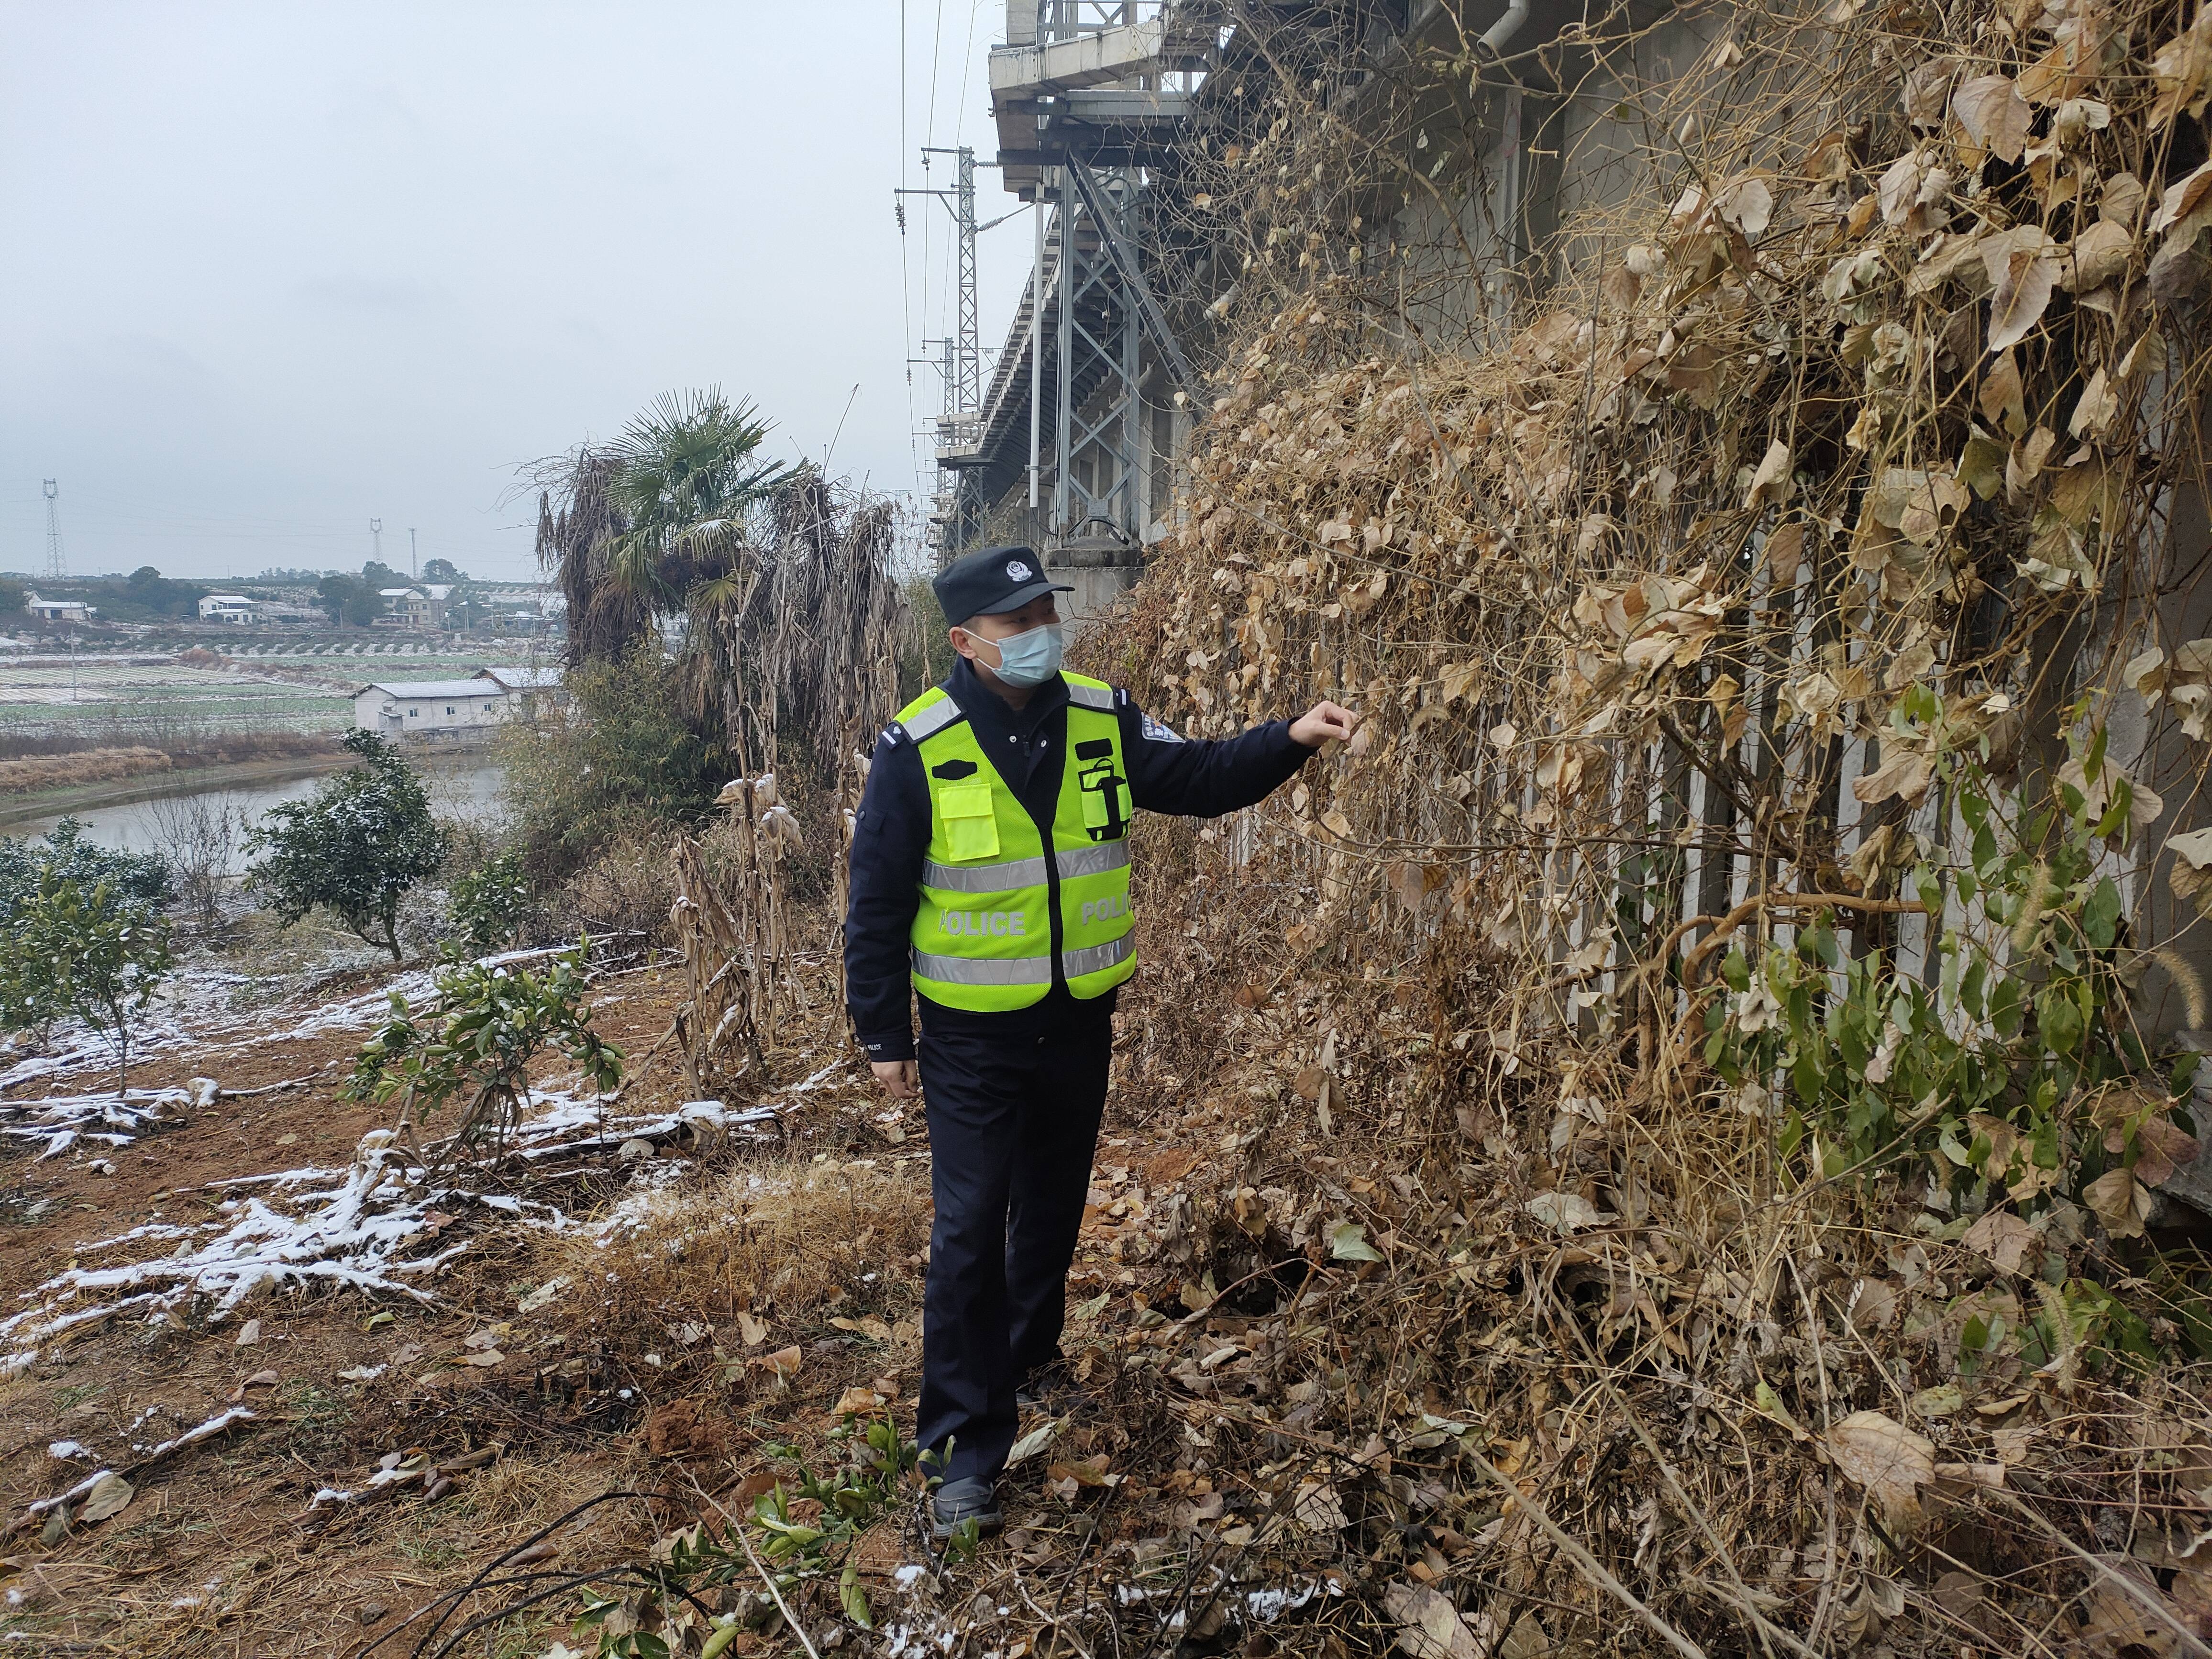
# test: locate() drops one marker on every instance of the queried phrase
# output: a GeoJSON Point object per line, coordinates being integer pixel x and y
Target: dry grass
{"type": "Point", "coordinates": [625, 888]}
{"type": "Point", "coordinates": [786, 1243]}
{"type": "Point", "coordinates": [92, 764]}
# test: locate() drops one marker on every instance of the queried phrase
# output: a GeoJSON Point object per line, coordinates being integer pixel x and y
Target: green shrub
{"type": "Point", "coordinates": [355, 847]}
{"type": "Point", "coordinates": [487, 906]}
{"type": "Point", "coordinates": [620, 757]}
{"type": "Point", "coordinates": [479, 1039]}
{"type": "Point", "coordinates": [2015, 1071]}
{"type": "Point", "coordinates": [97, 953]}
{"type": "Point", "coordinates": [141, 879]}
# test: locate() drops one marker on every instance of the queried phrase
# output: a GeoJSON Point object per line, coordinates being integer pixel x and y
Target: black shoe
{"type": "Point", "coordinates": [958, 1502]}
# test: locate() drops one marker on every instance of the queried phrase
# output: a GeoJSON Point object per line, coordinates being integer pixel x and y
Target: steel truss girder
{"type": "Point", "coordinates": [1097, 362]}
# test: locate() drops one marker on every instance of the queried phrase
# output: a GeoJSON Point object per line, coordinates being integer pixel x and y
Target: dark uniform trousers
{"type": "Point", "coordinates": [1011, 1132]}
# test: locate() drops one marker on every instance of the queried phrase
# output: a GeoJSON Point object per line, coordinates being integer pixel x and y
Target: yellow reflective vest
{"type": "Point", "coordinates": [992, 888]}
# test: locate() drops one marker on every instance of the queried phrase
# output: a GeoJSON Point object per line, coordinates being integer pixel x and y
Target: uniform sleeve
{"type": "Point", "coordinates": [891, 838]}
{"type": "Point", "coordinates": [1201, 779]}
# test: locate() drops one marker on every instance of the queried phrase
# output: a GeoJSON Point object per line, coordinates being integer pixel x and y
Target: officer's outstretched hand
{"type": "Point", "coordinates": [898, 1077]}
{"type": "Point", "coordinates": [1322, 722]}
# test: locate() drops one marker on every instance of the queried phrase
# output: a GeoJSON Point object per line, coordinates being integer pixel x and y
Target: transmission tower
{"type": "Point", "coordinates": [57, 561]}
{"type": "Point", "coordinates": [413, 573]}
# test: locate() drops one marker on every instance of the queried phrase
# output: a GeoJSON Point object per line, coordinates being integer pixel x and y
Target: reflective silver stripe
{"type": "Point", "coordinates": [985, 878]}
{"type": "Point", "coordinates": [1090, 696]}
{"type": "Point", "coordinates": [1014, 873]}
{"type": "Point", "coordinates": [1093, 860]}
{"type": "Point", "coordinates": [931, 719]}
{"type": "Point", "coordinates": [1098, 956]}
{"type": "Point", "coordinates": [996, 970]}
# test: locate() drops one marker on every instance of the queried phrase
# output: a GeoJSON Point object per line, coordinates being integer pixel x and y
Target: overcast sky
{"type": "Point", "coordinates": [276, 270]}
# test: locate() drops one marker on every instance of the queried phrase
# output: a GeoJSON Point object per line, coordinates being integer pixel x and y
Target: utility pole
{"type": "Point", "coordinates": [57, 563]}
{"type": "Point", "coordinates": [968, 337]}
{"type": "Point", "coordinates": [376, 540]}
{"type": "Point", "coordinates": [413, 573]}
{"type": "Point", "coordinates": [962, 369]}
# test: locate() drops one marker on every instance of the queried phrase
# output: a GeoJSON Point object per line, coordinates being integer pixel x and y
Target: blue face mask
{"type": "Point", "coordinates": [1032, 657]}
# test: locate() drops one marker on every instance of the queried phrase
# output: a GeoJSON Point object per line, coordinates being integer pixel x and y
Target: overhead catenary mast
{"type": "Point", "coordinates": [962, 368]}
{"type": "Point", "coordinates": [57, 561]}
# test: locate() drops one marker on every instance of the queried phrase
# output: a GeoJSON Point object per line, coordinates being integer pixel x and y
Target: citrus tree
{"type": "Point", "coordinates": [95, 953]}
{"type": "Point", "coordinates": [353, 847]}
{"type": "Point", "coordinates": [477, 1040]}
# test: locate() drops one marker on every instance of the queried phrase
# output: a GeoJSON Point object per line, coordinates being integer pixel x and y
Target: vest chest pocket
{"type": "Point", "coordinates": [971, 830]}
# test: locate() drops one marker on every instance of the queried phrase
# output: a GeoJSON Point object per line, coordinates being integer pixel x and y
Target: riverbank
{"type": "Point", "coordinates": [33, 806]}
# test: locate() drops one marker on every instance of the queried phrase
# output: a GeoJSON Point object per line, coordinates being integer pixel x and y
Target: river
{"type": "Point", "coordinates": [459, 785]}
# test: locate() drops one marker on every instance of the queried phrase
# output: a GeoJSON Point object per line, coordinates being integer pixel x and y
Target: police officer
{"type": "Point", "coordinates": [990, 874]}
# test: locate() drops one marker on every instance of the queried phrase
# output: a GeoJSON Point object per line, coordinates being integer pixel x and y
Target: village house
{"type": "Point", "coordinates": [227, 608]}
{"type": "Point", "coordinates": [418, 608]}
{"type": "Point", "coordinates": [430, 707]}
{"type": "Point", "coordinates": [61, 611]}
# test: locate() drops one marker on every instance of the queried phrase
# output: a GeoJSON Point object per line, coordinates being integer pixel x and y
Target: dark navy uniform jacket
{"type": "Point", "coordinates": [892, 835]}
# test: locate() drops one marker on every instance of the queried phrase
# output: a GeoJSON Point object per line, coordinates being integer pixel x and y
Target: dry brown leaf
{"type": "Point", "coordinates": [1931, 508]}
{"type": "Point", "coordinates": [1888, 1459]}
{"type": "Point", "coordinates": [2182, 71]}
{"type": "Point", "coordinates": [1769, 484]}
{"type": "Point", "coordinates": [2118, 1625]}
{"type": "Point", "coordinates": [2001, 398]}
{"type": "Point", "coordinates": [2121, 1202]}
{"type": "Point", "coordinates": [1746, 203]}
{"type": "Point", "coordinates": [855, 1401]}
{"type": "Point", "coordinates": [2009, 1242]}
{"type": "Point", "coordinates": [1784, 554]}
{"type": "Point", "coordinates": [2094, 409]}
{"type": "Point", "coordinates": [752, 1330]}
{"type": "Point", "coordinates": [2161, 1147]}
{"type": "Point", "coordinates": [2024, 273]}
{"type": "Point", "coordinates": [1912, 193]}
{"type": "Point", "coordinates": [1927, 88]}
{"type": "Point", "coordinates": [784, 1362]}
{"type": "Point", "coordinates": [108, 1495]}
{"type": "Point", "coordinates": [2024, 465]}
{"type": "Point", "coordinates": [1085, 1472]}
{"type": "Point", "coordinates": [2120, 201]}
{"type": "Point", "coordinates": [1462, 680]}
{"type": "Point", "coordinates": [1994, 115]}
{"type": "Point", "coordinates": [1316, 1507]}
{"type": "Point", "coordinates": [2186, 206]}
{"type": "Point", "coordinates": [1906, 774]}
{"type": "Point", "coordinates": [2098, 254]}
{"type": "Point", "coordinates": [1428, 1626]}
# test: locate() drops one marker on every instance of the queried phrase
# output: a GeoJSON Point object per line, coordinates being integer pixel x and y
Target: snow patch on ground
{"type": "Point", "coordinates": [357, 1234]}
{"type": "Point", "coordinates": [361, 1231]}
{"type": "Point", "coordinates": [106, 1119]}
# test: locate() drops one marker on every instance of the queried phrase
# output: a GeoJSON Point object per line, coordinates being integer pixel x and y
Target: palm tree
{"type": "Point", "coordinates": [642, 520]}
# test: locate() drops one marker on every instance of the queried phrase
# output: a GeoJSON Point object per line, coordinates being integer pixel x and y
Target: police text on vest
{"type": "Point", "coordinates": [977, 923]}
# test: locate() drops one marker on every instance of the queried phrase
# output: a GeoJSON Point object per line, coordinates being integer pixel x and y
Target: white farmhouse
{"type": "Point", "coordinates": [227, 608]}
{"type": "Point", "coordinates": [63, 611]}
{"type": "Point", "coordinates": [429, 707]}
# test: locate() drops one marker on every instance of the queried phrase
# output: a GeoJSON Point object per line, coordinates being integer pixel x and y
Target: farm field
{"type": "Point", "coordinates": [137, 698]}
